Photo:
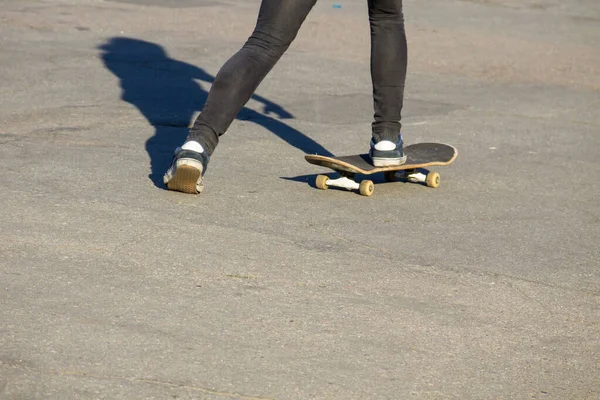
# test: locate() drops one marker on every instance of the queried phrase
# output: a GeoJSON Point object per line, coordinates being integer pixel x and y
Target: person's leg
{"type": "Point", "coordinates": [277, 26]}
{"type": "Point", "coordinates": [388, 73]}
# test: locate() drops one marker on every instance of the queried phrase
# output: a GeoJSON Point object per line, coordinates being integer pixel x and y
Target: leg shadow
{"type": "Point", "coordinates": [168, 92]}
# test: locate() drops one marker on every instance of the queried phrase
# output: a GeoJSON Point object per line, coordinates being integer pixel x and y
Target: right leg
{"type": "Point", "coordinates": [277, 26]}
{"type": "Point", "coordinates": [388, 72]}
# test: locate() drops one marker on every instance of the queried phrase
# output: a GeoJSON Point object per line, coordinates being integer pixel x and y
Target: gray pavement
{"type": "Point", "coordinates": [264, 287]}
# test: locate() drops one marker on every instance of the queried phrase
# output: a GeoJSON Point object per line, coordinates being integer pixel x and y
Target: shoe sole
{"type": "Point", "coordinates": [185, 179]}
{"type": "Point", "coordinates": [388, 162]}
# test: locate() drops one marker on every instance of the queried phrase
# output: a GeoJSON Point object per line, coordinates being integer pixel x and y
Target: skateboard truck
{"type": "Point", "coordinates": [346, 181]}
{"type": "Point", "coordinates": [416, 176]}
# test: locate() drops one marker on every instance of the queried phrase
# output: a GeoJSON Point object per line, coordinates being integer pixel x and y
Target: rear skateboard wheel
{"type": "Point", "coordinates": [433, 179]}
{"type": "Point", "coordinates": [366, 188]}
{"type": "Point", "coordinates": [390, 176]}
{"type": "Point", "coordinates": [321, 182]}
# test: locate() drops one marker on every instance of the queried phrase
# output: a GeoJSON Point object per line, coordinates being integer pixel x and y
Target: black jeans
{"type": "Point", "coordinates": [277, 26]}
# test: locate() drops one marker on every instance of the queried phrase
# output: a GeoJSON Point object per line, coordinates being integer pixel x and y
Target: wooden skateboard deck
{"type": "Point", "coordinates": [420, 155]}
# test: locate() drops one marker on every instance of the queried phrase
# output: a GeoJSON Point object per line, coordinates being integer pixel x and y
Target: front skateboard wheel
{"type": "Point", "coordinates": [366, 188]}
{"type": "Point", "coordinates": [390, 176]}
{"type": "Point", "coordinates": [321, 182]}
{"type": "Point", "coordinates": [433, 179]}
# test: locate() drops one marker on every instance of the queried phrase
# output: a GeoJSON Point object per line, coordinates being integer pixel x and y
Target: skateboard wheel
{"type": "Point", "coordinates": [433, 179]}
{"type": "Point", "coordinates": [390, 176]}
{"type": "Point", "coordinates": [321, 182]}
{"type": "Point", "coordinates": [366, 188]}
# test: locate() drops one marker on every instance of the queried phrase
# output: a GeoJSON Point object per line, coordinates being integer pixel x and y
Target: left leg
{"type": "Point", "coordinates": [277, 26]}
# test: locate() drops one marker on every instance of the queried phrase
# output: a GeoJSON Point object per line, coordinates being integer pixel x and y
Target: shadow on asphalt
{"type": "Point", "coordinates": [310, 179]}
{"type": "Point", "coordinates": [168, 92]}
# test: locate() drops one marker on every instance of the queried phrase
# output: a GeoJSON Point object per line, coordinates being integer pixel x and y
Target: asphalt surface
{"type": "Point", "coordinates": [265, 287]}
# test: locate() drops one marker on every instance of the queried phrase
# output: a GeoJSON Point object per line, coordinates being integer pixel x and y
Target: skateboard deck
{"type": "Point", "coordinates": [418, 156]}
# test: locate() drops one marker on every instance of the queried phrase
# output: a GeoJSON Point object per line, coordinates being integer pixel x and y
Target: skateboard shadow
{"type": "Point", "coordinates": [308, 179]}
{"type": "Point", "coordinates": [168, 93]}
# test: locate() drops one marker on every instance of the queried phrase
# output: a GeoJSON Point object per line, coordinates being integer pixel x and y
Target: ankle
{"type": "Point", "coordinates": [193, 146]}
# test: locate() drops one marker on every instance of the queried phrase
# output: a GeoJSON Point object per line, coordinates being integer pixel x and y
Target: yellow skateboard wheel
{"type": "Point", "coordinates": [321, 182]}
{"type": "Point", "coordinates": [366, 188]}
{"type": "Point", "coordinates": [433, 179]}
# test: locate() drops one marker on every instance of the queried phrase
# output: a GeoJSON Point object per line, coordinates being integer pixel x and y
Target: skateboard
{"type": "Point", "coordinates": [418, 156]}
